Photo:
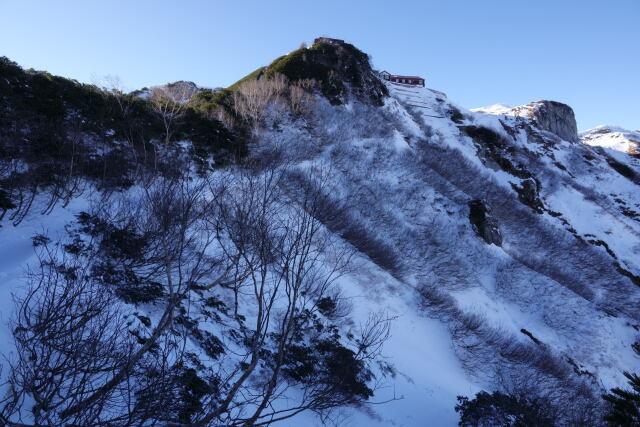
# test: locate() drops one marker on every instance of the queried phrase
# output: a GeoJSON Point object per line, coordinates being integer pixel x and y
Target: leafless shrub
{"type": "Point", "coordinates": [256, 100]}
{"type": "Point", "coordinates": [170, 102]}
{"type": "Point", "coordinates": [285, 256]}
{"type": "Point", "coordinates": [69, 337]}
{"type": "Point", "coordinates": [336, 216]}
{"type": "Point", "coordinates": [279, 264]}
{"type": "Point", "coordinates": [562, 261]}
{"type": "Point", "coordinates": [571, 402]}
{"type": "Point", "coordinates": [76, 357]}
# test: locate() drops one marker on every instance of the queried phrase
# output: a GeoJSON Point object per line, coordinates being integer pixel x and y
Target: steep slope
{"type": "Point", "coordinates": [502, 251]}
{"type": "Point", "coordinates": [559, 296]}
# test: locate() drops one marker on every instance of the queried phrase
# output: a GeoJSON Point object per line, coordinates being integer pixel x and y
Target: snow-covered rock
{"type": "Point", "coordinates": [550, 116]}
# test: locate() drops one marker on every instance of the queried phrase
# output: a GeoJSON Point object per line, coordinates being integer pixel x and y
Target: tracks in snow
{"type": "Point", "coordinates": [412, 98]}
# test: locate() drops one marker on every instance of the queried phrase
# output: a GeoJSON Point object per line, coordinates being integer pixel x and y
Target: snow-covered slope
{"type": "Point", "coordinates": [504, 249]}
{"type": "Point", "coordinates": [613, 137]}
{"type": "Point", "coordinates": [562, 285]}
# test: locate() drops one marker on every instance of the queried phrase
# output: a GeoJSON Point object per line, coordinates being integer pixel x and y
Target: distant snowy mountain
{"type": "Point", "coordinates": [613, 137]}
{"type": "Point", "coordinates": [364, 242]}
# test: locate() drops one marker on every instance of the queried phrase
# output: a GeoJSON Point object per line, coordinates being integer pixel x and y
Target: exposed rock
{"type": "Point", "coordinates": [183, 90]}
{"type": "Point", "coordinates": [494, 150]}
{"type": "Point", "coordinates": [528, 193]}
{"type": "Point", "coordinates": [551, 116]}
{"type": "Point", "coordinates": [483, 223]}
{"type": "Point", "coordinates": [340, 68]}
{"type": "Point", "coordinates": [183, 86]}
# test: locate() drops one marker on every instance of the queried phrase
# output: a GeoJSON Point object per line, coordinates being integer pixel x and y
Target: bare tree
{"type": "Point", "coordinates": [76, 357]}
{"type": "Point", "coordinates": [290, 264]}
{"type": "Point", "coordinates": [170, 103]}
{"type": "Point", "coordinates": [257, 100]}
{"type": "Point", "coordinates": [113, 85]}
{"type": "Point", "coordinates": [243, 236]}
{"type": "Point", "coordinates": [69, 337]}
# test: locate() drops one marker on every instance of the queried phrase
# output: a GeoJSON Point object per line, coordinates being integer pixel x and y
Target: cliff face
{"type": "Point", "coordinates": [551, 116]}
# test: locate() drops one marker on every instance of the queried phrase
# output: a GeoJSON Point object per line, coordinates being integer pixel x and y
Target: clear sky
{"type": "Point", "coordinates": [585, 53]}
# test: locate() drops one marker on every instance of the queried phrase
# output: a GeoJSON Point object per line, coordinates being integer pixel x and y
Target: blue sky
{"type": "Point", "coordinates": [584, 53]}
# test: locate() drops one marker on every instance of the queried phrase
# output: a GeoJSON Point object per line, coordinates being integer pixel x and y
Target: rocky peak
{"type": "Point", "coordinates": [551, 116]}
{"type": "Point", "coordinates": [183, 86]}
{"type": "Point", "coordinates": [338, 67]}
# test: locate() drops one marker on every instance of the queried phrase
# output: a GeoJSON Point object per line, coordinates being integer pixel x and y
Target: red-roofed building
{"type": "Point", "coordinates": [407, 80]}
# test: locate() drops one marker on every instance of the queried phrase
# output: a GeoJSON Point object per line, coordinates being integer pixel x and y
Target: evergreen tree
{"type": "Point", "coordinates": [624, 405]}
{"type": "Point", "coordinates": [502, 410]}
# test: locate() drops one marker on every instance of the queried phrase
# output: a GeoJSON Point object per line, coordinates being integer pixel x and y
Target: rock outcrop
{"type": "Point", "coordinates": [483, 223]}
{"type": "Point", "coordinates": [339, 68]}
{"type": "Point", "coordinates": [529, 194]}
{"type": "Point", "coordinates": [551, 116]}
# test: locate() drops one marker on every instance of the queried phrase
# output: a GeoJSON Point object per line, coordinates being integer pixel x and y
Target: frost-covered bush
{"type": "Point", "coordinates": [498, 409]}
{"type": "Point", "coordinates": [337, 216]}
{"type": "Point", "coordinates": [122, 248]}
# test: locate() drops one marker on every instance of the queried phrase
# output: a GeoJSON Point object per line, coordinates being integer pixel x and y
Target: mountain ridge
{"type": "Point", "coordinates": [487, 249]}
